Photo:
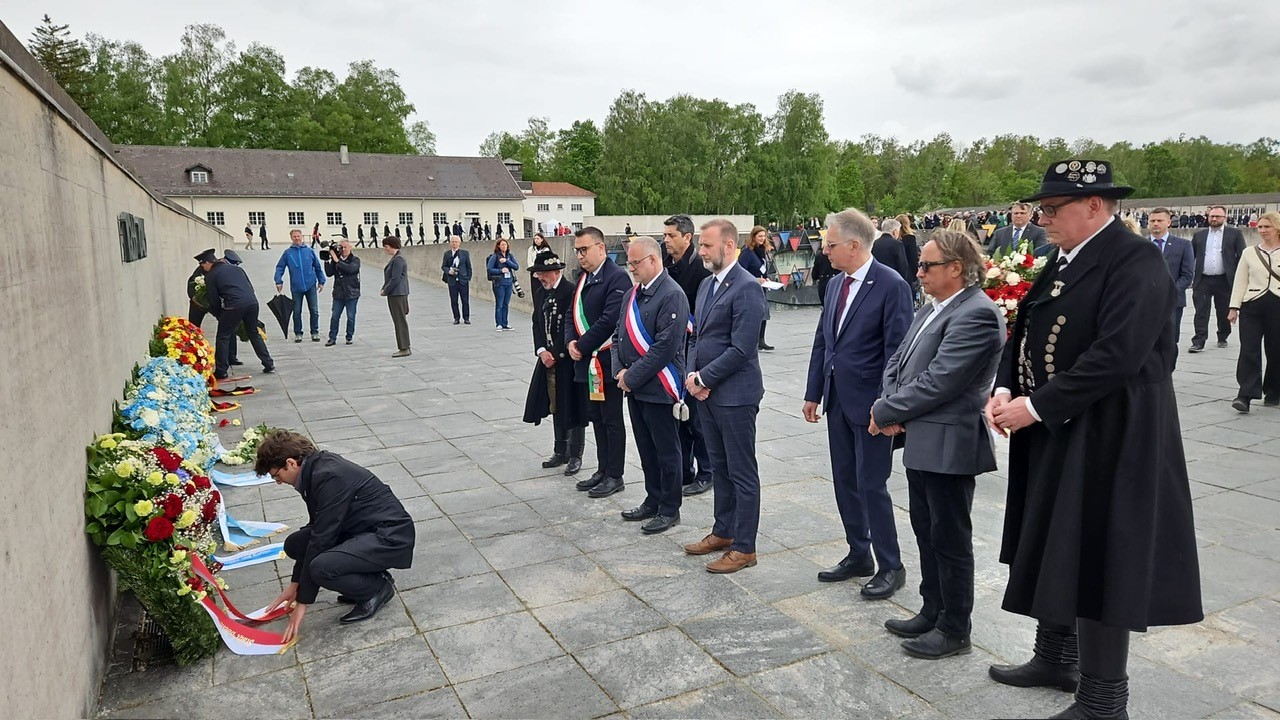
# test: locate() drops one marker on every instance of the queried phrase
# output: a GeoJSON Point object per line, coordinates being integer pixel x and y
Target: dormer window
{"type": "Point", "coordinates": [199, 177]}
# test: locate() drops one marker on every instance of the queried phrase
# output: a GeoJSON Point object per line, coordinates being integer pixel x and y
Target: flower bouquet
{"type": "Point", "coordinates": [1009, 275]}
{"type": "Point", "coordinates": [151, 511]}
{"type": "Point", "coordinates": [246, 451]}
{"type": "Point", "coordinates": [177, 339]}
{"type": "Point", "coordinates": [167, 404]}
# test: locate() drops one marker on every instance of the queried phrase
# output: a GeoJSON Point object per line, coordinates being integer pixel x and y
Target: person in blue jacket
{"type": "Point", "coordinates": [306, 280]}
{"type": "Point", "coordinates": [501, 267]}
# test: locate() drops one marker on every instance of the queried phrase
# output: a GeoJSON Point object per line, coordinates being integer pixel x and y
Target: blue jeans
{"type": "Point", "coordinates": [338, 307]}
{"type": "Point", "coordinates": [313, 304]}
{"type": "Point", "coordinates": [502, 303]}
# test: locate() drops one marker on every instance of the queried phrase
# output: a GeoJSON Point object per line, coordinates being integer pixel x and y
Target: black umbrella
{"type": "Point", "coordinates": [282, 307]}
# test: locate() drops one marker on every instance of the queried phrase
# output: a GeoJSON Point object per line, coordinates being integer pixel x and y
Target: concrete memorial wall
{"type": "Point", "coordinates": [77, 318]}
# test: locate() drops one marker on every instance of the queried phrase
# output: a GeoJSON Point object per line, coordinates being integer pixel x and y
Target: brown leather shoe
{"type": "Point", "coordinates": [732, 561]}
{"type": "Point", "coordinates": [708, 544]}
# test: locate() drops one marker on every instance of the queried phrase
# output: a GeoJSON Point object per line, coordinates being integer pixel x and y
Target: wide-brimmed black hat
{"type": "Point", "coordinates": [1074, 178]}
{"type": "Point", "coordinates": [545, 261]}
{"type": "Point", "coordinates": [208, 256]}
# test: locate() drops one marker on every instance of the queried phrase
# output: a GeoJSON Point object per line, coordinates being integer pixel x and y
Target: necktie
{"type": "Point", "coordinates": [1160, 244]}
{"type": "Point", "coordinates": [1017, 235]}
{"type": "Point", "coordinates": [840, 301]}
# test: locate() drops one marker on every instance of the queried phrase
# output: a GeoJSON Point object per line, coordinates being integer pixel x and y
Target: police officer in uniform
{"type": "Point", "coordinates": [232, 301]}
{"type": "Point", "coordinates": [1098, 531]}
{"type": "Point", "coordinates": [552, 390]}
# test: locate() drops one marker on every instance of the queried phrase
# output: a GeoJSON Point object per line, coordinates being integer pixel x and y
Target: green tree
{"type": "Point", "coordinates": [377, 109]}
{"type": "Point", "coordinates": [254, 103]}
{"type": "Point", "coordinates": [422, 139]}
{"type": "Point", "coordinates": [190, 82]}
{"type": "Point", "coordinates": [66, 58]}
{"type": "Point", "coordinates": [1163, 174]}
{"type": "Point", "coordinates": [575, 157]}
{"type": "Point", "coordinates": [122, 98]}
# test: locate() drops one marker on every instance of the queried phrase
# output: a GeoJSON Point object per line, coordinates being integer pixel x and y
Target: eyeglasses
{"type": "Point", "coordinates": [583, 250]}
{"type": "Point", "coordinates": [925, 265]}
{"type": "Point", "coordinates": [273, 473]}
{"type": "Point", "coordinates": [1052, 210]}
{"type": "Point", "coordinates": [633, 264]}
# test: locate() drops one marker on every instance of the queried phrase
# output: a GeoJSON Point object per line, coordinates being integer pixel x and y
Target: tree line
{"type": "Point", "coordinates": [210, 94]}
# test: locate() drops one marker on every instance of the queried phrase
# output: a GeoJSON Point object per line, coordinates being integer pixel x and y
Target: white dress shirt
{"type": "Point", "coordinates": [859, 279]}
{"type": "Point", "coordinates": [938, 306]}
{"type": "Point", "coordinates": [1213, 253]}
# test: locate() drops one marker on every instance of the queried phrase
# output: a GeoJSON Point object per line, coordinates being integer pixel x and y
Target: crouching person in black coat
{"type": "Point", "coordinates": [356, 529]}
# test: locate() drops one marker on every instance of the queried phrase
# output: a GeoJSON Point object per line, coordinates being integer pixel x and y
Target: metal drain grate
{"type": "Point", "coordinates": [151, 646]}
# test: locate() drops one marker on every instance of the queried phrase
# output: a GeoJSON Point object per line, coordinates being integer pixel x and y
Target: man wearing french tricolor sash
{"type": "Point", "coordinates": [597, 306]}
{"type": "Point", "coordinates": [648, 362]}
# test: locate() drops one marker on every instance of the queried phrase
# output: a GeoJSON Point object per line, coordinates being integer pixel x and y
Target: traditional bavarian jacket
{"type": "Point", "coordinates": [650, 338]}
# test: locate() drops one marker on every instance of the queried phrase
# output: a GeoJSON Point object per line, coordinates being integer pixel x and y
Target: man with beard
{"type": "Point", "coordinates": [1098, 531]}
{"type": "Point", "coordinates": [687, 270]}
{"type": "Point", "coordinates": [1217, 249]}
{"type": "Point", "coordinates": [552, 390]}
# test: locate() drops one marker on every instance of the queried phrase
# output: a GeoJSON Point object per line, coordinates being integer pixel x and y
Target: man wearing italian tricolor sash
{"type": "Point", "coordinates": [648, 361]}
{"type": "Point", "coordinates": [597, 306]}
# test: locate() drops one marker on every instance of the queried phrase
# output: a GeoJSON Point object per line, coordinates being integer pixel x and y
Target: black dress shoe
{"type": "Point", "coordinates": [660, 523]}
{"type": "Point", "coordinates": [849, 567]}
{"type": "Point", "coordinates": [370, 607]}
{"type": "Point", "coordinates": [590, 482]}
{"type": "Point", "coordinates": [639, 513]}
{"type": "Point", "coordinates": [268, 370]}
{"type": "Point", "coordinates": [235, 362]}
{"type": "Point", "coordinates": [765, 346]}
{"type": "Point", "coordinates": [330, 343]}
{"type": "Point", "coordinates": [606, 487]}
{"type": "Point", "coordinates": [1195, 349]}
{"type": "Point", "coordinates": [575, 464]}
{"type": "Point", "coordinates": [556, 460]}
{"type": "Point", "coordinates": [935, 645]}
{"type": "Point", "coordinates": [1271, 401]}
{"type": "Point", "coordinates": [1241, 404]}
{"type": "Point", "coordinates": [911, 628]}
{"type": "Point", "coordinates": [1222, 343]}
{"type": "Point", "coordinates": [457, 322]}
{"type": "Point", "coordinates": [697, 487]}
{"type": "Point", "coordinates": [1037, 673]}
{"type": "Point", "coordinates": [885, 584]}
{"type": "Point", "coordinates": [347, 600]}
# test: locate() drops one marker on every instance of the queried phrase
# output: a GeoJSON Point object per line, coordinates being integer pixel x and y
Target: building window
{"type": "Point", "coordinates": [199, 177]}
{"type": "Point", "coordinates": [297, 217]}
{"type": "Point", "coordinates": [544, 207]}
{"type": "Point", "coordinates": [257, 218]}
{"type": "Point", "coordinates": [333, 218]}
{"type": "Point", "coordinates": [504, 218]}
{"type": "Point", "coordinates": [577, 226]}
{"type": "Point", "coordinates": [406, 218]}
{"type": "Point", "coordinates": [371, 218]}
{"type": "Point", "coordinates": [576, 207]}
{"type": "Point", "coordinates": [216, 218]}
{"type": "Point", "coordinates": [439, 219]}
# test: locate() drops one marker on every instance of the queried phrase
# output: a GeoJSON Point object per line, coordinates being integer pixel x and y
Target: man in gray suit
{"type": "Point", "coordinates": [723, 375]}
{"type": "Point", "coordinates": [935, 387]}
{"type": "Point", "coordinates": [1019, 228]}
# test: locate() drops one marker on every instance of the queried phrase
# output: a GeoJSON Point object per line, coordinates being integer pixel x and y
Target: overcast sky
{"type": "Point", "coordinates": [1137, 70]}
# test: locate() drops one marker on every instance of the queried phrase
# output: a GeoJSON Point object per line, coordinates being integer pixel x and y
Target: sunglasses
{"type": "Point", "coordinates": [926, 265]}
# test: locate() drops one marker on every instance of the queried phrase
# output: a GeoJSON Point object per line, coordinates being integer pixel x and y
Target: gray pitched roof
{"type": "Point", "coordinates": [236, 172]}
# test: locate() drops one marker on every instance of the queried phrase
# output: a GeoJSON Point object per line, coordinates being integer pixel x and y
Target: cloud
{"type": "Point", "coordinates": [936, 77]}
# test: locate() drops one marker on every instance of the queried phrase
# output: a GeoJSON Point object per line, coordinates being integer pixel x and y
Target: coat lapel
{"type": "Point", "coordinates": [961, 298]}
{"type": "Point", "coordinates": [873, 273]}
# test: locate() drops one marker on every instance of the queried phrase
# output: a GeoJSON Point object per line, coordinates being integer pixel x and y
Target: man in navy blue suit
{"type": "Point", "coordinates": [1180, 257]}
{"type": "Point", "coordinates": [723, 367]}
{"type": "Point", "coordinates": [866, 313]}
{"type": "Point", "coordinates": [597, 306]}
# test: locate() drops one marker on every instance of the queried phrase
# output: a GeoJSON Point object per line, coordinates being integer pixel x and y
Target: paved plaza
{"type": "Point", "coordinates": [527, 599]}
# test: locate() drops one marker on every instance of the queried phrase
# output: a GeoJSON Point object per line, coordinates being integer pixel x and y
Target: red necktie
{"type": "Point", "coordinates": [840, 301]}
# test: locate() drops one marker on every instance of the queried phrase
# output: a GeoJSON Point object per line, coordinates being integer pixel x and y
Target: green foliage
{"type": "Point", "coordinates": [66, 58]}
{"type": "Point", "coordinates": [186, 624]}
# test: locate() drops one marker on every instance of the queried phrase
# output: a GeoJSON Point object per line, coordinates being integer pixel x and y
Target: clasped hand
{"type": "Point", "coordinates": [887, 430]}
{"type": "Point", "coordinates": [1006, 414]}
{"type": "Point", "coordinates": [289, 598]}
{"type": "Point", "coordinates": [699, 392]}
{"type": "Point", "coordinates": [574, 352]}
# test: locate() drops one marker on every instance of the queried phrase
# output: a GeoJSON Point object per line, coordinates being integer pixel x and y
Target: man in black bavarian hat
{"type": "Point", "coordinates": [552, 390]}
{"type": "Point", "coordinates": [1098, 533]}
{"type": "Point", "coordinates": [231, 300]}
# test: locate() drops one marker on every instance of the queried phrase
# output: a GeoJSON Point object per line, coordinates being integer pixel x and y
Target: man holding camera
{"type": "Point", "coordinates": [344, 268]}
{"type": "Point", "coordinates": [456, 269]}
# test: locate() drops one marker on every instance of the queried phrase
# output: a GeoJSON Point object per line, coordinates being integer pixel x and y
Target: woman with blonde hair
{"type": "Point", "coordinates": [908, 239]}
{"type": "Point", "coordinates": [956, 225]}
{"type": "Point", "coordinates": [1255, 302]}
{"type": "Point", "coordinates": [754, 258]}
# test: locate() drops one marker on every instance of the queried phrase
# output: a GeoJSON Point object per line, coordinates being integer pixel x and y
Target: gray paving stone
{"type": "Point", "coordinates": [136, 688]}
{"type": "Point", "coordinates": [933, 680]}
{"type": "Point", "coordinates": [464, 501]}
{"type": "Point", "coordinates": [442, 703]}
{"type": "Point", "coordinates": [833, 685]}
{"type": "Point", "coordinates": [556, 581]}
{"type": "Point", "coordinates": [556, 688]}
{"type": "Point", "coordinates": [990, 698]}
{"type": "Point", "coordinates": [650, 667]}
{"type": "Point", "coordinates": [727, 701]}
{"type": "Point", "coordinates": [497, 521]}
{"type": "Point", "coordinates": [468, 479]}
{"type": "Point", "coordinates": [339, 685]}
{"type": "Point", "coordinates": [229, 667]}
{"type": "Point", "coordinates": [696, 594]}
{"type": "Point", "coordinates": [281, 694]}
{"type": "Point", "coordinates": [754, 642]}
{"type": "Point", "coordinates": [787, 574]}
{"type": "Point", "coordinates": [460, 601]}
{"type": "Point", "coordinates": [1157, 692]}
{"type": "Point", "coordinates": [322, 636]}
{"type": "Point", "coordinates": [598, 619]}
{"type": "Point", "coordinates": [491, 646]}
{"type": "Point", "coordinates": [646, 561]}
{"type": "Point", "coordinates": [441, 561]}
{"type": "Point", "coordinates": [521, 549]}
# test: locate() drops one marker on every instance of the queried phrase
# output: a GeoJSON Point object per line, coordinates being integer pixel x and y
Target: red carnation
{"type": "Point", "coordinates": [167, 460]}
{"type": "Point", "coordinates": [189, 489]}
{"type": "Point", "coordinates": [217, 496]}
{"type": "Point", "coordinates": [209, 511]}
{"type": "Point", "coordinates": [172, 506]}
{"type": "Point", "coordinates": [158, 529]}
{"type": "Point", "coordinates": [195, 583]}
{"type": "Point", "coordinates": [202, 482]}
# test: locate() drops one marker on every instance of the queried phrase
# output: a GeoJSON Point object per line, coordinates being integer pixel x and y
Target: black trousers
{"type": "Point", "coordinates": [657, 434]}
{"type": "Point", "coordinates": [940, 506]}
{"type": "Point", "coordinates": [568, 441]}
{"type": "Point", "coordinates": [460, 292]}
{"type": "Point", "coordinates": [609, 430]}
{"type": "Point", "coordinates": [1210, 290]}
{"type": "Point", "coordinates": [1259, 334]}
{"type": "Point", "coordinates": [1177, 323]}
{"type": "Point", "coordinates": [335, 569]}
{"type": "Point", "coordinates": [228, 326]}
{"type": "Point", "coordinates": [693, 447]}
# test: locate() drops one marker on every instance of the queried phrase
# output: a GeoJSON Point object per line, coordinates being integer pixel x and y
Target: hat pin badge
{"type": "Point", "coordinates": [1057, 288]}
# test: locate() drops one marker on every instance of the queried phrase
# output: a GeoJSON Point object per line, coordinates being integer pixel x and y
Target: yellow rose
{"type": "Point", "coordinates": [236, 422]}
{"type": "Point", "coordinates": [107, 444]}
{"type": "Point", "coordinates": [172, 478]}
{"type": "Point", "coordinates": [186, 520]}
{"type": "Point", "coordinates": [124, 469]}
{"type": "Point", "coordinates": [143, 508]}
{"type": "Point", "coordinates": [184, 590]}
{"type": "Point", "coordinates": [155, 478]}
{"type": "Point", "coordinates": [178, 557]}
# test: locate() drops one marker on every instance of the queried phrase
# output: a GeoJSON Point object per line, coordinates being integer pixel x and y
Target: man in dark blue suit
{"type": "Point", "coordinates": [865, 316]}
{"type": "Point", "coordinates": [456, 269]}
{"type": "Point", "coordinates": [724, 377]}
{"type": "Point", "coordinates": [1180, 257]}
{"type": "Point", "coordinates": [597, 306]}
